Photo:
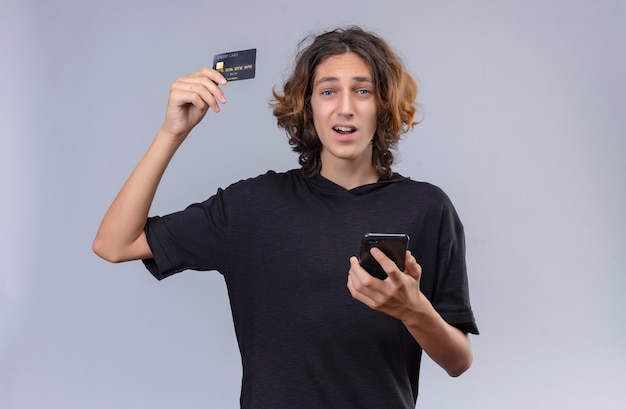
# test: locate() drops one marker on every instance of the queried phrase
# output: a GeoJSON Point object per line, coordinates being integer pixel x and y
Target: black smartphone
{"type": "Point", "coordinates": [394, 245]}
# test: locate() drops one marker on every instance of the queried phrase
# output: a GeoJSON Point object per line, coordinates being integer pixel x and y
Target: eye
{"type": "Point", "coordinates": [363, 91]}
{"type": "Point", "coordinates": [327, 92]}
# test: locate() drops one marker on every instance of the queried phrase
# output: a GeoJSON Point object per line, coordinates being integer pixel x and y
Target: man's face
{"type": "Point", "coordinates": [344, 110]}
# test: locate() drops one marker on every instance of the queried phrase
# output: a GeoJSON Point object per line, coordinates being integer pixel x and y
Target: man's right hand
{"type": "Point", "coordinates": [190, 98]}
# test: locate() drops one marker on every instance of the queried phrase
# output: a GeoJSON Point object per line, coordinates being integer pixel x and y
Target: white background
{"type": "Point", "coordinates": [524, 128]}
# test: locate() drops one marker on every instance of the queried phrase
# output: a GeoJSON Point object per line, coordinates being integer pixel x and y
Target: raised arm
{"type": "Point", "coordinates": [121, 234]}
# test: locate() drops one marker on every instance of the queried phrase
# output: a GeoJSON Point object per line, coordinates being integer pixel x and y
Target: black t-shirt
{"type": "Point", "coordinates": [283, 243]}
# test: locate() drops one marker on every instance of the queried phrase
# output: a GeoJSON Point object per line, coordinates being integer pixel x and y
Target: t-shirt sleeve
{"type": "Point", "coordinates": [192, 239]}
{"type": "Point", "coordinates": [451, 298]}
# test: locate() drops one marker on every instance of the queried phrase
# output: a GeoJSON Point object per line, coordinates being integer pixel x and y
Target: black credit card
{"type": "Point", "coordinates": [236, 65]}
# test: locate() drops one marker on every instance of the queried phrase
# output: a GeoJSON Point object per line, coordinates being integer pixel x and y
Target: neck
{"type": "Point", "coordinates": [350, 177]}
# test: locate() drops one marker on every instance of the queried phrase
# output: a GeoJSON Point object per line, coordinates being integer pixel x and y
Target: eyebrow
{"type": "Point", "coordinates": [335, 79]}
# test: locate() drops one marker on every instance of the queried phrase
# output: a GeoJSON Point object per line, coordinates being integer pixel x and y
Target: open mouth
{"type": "Point", "coordinates": [344, 130]}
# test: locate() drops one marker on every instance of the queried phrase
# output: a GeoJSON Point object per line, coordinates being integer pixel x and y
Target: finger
{"type": "Point", "coordinates": [360, 296]}
{"type": "Point", "coordinates": [208, 76]}
{"type": "Point", "coordinates": [365, 288]}
{"type": "Point", "coordinates": [412, 267]}
{"type": "Point", "coordinates": [356, 290]}
{"type": "Point", "coordinates": [385, 262]}
{"type": "Point", "coordinates": [207, 90]}
{"type": "Point", "coordinates": [212, 74]}
{"type": "Point", "coordinates": [361, 281]}
{"type": "Point", "coordinates": [180, 97]}
{"type": "Point", "coordinates": [203, 86]}
{"type": "Point", "coordinates": [198, 98]}
{"type": "Point", "coordinates": [205, 82]}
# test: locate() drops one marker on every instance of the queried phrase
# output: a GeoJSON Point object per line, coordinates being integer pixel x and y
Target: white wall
{"type": "Point", "coordinates": [524, 129]}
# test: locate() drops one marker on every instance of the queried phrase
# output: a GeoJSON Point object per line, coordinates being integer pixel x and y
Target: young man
{"type": "Point", "coordinates": [306, 340]}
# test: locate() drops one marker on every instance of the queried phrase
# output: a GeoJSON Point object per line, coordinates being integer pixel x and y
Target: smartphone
{"type": "Point", "coordinates": [394, 245]}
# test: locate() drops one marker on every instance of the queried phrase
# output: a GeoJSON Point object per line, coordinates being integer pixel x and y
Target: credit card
{"type": "Point", "coordinates": [236, 65]}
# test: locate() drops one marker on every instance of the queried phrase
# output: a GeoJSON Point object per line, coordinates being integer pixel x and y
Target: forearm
{"type": "Point", "coordinates": [121, 235]}
{"type": "Point", "coordinates": [448, 346]}
{"type": "Point", "coordinates": [123, 224]}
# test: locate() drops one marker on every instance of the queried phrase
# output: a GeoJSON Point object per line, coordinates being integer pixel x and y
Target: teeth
{"type": "Point", "coordinates": [343, 129]}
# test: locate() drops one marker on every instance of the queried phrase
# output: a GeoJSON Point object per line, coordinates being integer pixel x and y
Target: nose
{"type": "Point", "coordinates": [346, 108]}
